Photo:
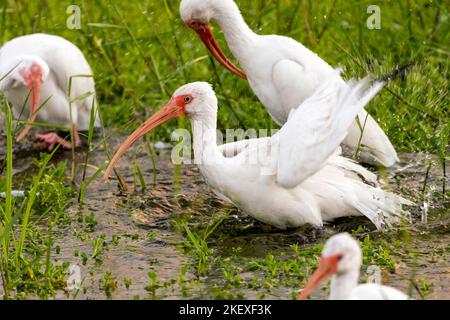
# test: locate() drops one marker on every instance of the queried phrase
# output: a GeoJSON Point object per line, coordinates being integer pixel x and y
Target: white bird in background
{"type": "Point", "coordinates": [281, 71]}
{"type": "Point", "coordinates": [342, 258]}
{"type": "Point", "coordinates": [298, 176]}
{"type": "Point", "coordinates": [38, 68]}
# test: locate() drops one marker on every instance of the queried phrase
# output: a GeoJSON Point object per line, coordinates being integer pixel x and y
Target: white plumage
{"type": "Point", "coordinates": [281, 71]}
{"type": "Point", "coordinates": [294, 177]}
{"type": "Point", "coordinates": [59, 60]}
{"type": "Point", "coordinates": [341, 259]}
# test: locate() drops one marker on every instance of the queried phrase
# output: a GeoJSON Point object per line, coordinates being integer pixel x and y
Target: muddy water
{"type": "Point", "coordinates": [142, 233]}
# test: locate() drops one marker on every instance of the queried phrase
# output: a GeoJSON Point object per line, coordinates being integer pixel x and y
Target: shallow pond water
{"type": "Point", "coordinates": [143, 232]}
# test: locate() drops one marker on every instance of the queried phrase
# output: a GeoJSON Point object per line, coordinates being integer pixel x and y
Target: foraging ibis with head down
{"type": "Point", "coordinates": [298, 176]}
{"type": "Point", "coordinates": [40, 68]}
{"type": "Point", "coordinates": [281, 71]}
{"type": "Point", "coordinates": [341, 259]}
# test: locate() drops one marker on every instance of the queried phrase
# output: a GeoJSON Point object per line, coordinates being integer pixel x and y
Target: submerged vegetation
{"type": "Point", "coordinates": [179, 240]}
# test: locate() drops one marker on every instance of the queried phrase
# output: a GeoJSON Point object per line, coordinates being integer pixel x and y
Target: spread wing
{"type": "Point", "coordinates": [316, 129]}
{"type": "Point", "coordinates": [312, 134]}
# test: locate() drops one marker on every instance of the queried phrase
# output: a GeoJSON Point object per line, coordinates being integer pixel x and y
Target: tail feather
{"type": "Point", "coordinates": [342, 193]}
{"type": "Point", "coordinates": [383, 208]}
{"type": "Point", "coordinates": [351, 166]}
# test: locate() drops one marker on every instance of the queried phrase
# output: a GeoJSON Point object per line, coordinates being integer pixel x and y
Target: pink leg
{"type": "Point", "coordinates": [50, 140]}
{"type": "Point", "coordinates": [76, 137]}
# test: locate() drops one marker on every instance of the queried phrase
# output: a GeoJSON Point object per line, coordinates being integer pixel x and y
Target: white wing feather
{"type": "Point", "coordinates": [316, 129]}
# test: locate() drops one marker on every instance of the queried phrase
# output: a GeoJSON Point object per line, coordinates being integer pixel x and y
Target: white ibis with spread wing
{"type": "Point", "coordinates": [298, 176]}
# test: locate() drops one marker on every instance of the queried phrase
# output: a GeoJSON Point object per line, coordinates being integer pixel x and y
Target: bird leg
{"type": "Point", "coordinates": [52, 139]}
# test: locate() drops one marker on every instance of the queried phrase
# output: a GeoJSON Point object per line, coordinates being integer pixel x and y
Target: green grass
{"type": "Point", "coordinates": [26, 232]}
{"type": "Point", "coordinates": [108, 284]}
{"type": "Point", "coordinates": [197, 246]}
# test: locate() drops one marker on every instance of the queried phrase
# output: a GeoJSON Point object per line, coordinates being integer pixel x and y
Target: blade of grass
{"type": "Point", "coordinates": [31, 198]}
{"type": "Point", "coordinates": [151, 152]}
{"type": "Point", "coordinates": [93, 115]}
{"type": "Point", "coordinates": [361, 128]}
{"type": "Point", "coordinates": [72, 125]}
{"type": "Point", "coordinates": [8, 190]}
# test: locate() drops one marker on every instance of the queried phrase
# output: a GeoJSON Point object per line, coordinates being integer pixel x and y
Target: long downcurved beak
{"type": "Point", "coordinates": [204, 32]}
{"type": "Point", "coordinates": [327, 267]}
{"type": "Point", "coordinates": [35, 96]}
{"type": "Point", "coordinates": [168, 112]}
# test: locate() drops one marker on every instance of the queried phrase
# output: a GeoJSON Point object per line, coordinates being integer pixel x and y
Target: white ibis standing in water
{"type": "Point", "coordinates": [341, 259]}
{"type": "Point", "coordinates": [38, 68]}
{"type": "Point", "coordinates": [281, 71]}
{"type": "Point", "coordinates": [298, 176]}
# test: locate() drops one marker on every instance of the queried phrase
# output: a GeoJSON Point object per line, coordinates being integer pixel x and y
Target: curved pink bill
{"type": "Point", "coordinates": [169, 111]}
{"type": "Point", "coordinates": [33, 83]}
{"type": "Point", "coordinates": [327, 267]}
{"type": "Point", "coordinates": [207, 37]}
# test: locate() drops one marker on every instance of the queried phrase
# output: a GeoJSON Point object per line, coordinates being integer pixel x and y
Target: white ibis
{"type": "Point", "coordinates": [341, 259]}
{"type": "Point", "coordinates": [298, 177]}
{"type": "Point", "coordinates": [281, 71]}
{"type": "Point", "coordinates": [38, 68]}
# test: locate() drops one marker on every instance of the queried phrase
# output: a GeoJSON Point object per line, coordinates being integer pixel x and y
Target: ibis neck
{"type": "Point", "coordinates": [205, 147]}
{"type": "Point", "coordinates": [238, 35]}
{"type": "Point", "coordinates": [343, 284]}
